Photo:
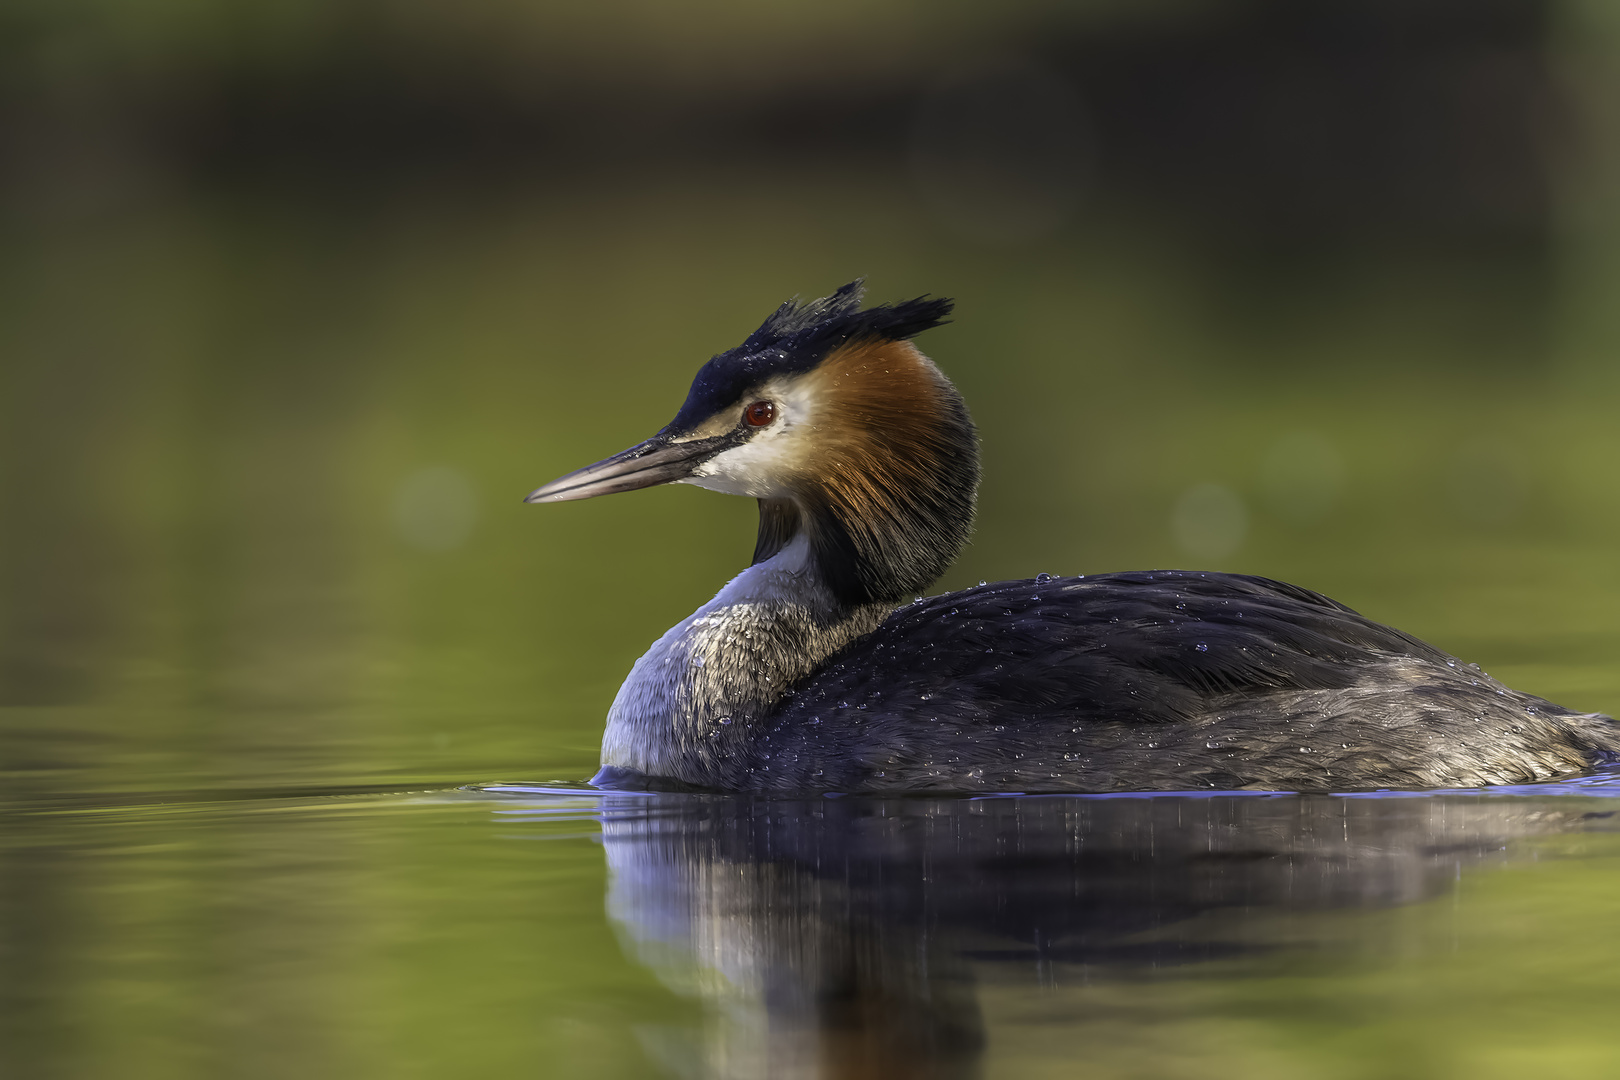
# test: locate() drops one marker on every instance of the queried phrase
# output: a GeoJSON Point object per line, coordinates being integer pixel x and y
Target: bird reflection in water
{"type": "Point", "coordinates": [848, 937]}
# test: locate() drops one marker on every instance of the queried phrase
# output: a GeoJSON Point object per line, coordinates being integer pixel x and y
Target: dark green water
{"type": "Point", "coordinates": [269, 601]}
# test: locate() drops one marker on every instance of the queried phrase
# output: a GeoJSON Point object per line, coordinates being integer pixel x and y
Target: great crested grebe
{"type": "Point", "coordinates": [806, 673]}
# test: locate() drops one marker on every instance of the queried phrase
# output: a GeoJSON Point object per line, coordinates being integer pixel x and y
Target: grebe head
{"type": "Point", "coordinates": [844, 432]}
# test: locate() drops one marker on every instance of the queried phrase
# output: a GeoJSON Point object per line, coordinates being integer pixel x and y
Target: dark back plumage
{"type": "Point", "coordinates": [1161, 679]}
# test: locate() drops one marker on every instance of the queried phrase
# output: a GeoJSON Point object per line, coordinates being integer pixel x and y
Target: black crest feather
{"type": "Point", "coordinates": [816, 327]}
{"type": "Point", "coordinates": [798, 336]}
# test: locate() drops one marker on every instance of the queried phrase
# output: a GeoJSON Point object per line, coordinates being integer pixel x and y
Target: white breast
{"type": "Point", "coordinates": [692, 697]}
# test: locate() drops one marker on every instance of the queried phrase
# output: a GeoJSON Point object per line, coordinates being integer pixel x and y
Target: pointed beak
{"type": "Point", "coordinates": [659, 460]}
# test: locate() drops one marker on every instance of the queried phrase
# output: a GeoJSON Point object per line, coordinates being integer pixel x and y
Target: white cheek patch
{"type": "Point", "coordinates": [761, 467]}
{"type": "Point", "coordinates": [754, 469]}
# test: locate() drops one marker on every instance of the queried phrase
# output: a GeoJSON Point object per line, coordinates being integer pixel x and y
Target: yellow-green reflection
{"type": "Point", "coordinates": [420, 935]}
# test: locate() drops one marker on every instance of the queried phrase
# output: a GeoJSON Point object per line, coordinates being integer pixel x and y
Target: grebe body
{"type": "Point", "coordinates": [808, 672]}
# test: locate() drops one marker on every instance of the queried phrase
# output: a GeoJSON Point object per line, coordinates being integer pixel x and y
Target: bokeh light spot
{"type": "Point", "coordinates": [1209, 521]}
{"type": "Point", "coordinates": [1488, 483]}
{"type": "Point", "coordinates": [435, 509]}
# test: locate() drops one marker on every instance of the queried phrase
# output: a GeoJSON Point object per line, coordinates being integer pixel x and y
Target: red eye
{"type": "Point", "coordinates": [759, 414]}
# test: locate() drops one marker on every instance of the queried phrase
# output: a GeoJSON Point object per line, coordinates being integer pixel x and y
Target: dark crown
{"type": "Point", "coordinates": [796, 338]}
{"type": "Point", "coordinates": [819, 326]}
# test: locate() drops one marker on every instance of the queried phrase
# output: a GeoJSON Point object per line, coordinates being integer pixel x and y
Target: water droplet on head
{"type": "Point", "coordinates": [1042, 579]}
{"type": "Point", "coordinates": [862, 705]}
{"type": "Point", "coordinates": [725, 720]}
{"type": "Point", "coordinates": [984, 583]}
{"type": "Point", "coordinates": [915, 600]}
{"type": "Point", "coordinates": [843, 704]}
{"type": "Point", "coordinates": [1201, 647]}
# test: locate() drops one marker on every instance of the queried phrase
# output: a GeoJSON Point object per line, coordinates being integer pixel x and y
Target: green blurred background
{"type": "Point", "coordinates": [300, 299]}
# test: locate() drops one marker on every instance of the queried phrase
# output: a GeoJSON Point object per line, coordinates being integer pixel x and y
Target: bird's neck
{"type": "Point", "coordinates": [686, 709]}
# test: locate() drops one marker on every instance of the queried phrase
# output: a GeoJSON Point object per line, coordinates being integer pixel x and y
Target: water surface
{"type": "Point", "coordinates": [546, 930]}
